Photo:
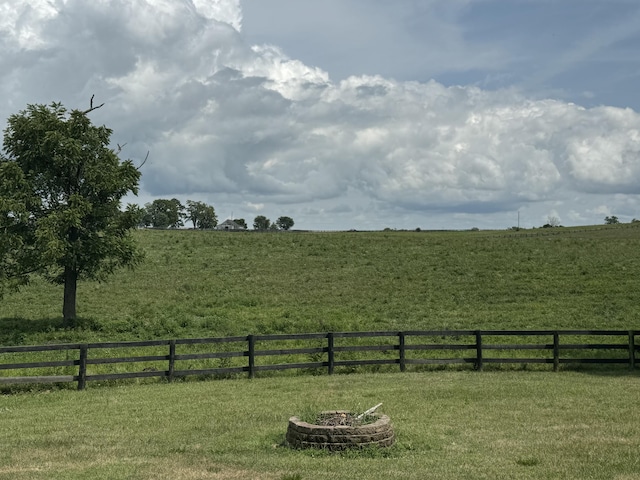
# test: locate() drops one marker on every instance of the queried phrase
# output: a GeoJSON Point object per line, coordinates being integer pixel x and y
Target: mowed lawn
{"type": "Point", "coordinates": [449, 425]}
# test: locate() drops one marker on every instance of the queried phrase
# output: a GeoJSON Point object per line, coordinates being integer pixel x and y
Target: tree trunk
{"type": "Point", "coordinates": [70, 287]}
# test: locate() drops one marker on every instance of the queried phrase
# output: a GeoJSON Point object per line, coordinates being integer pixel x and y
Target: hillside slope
{"type": "Point", "coordinates": [203, 283]}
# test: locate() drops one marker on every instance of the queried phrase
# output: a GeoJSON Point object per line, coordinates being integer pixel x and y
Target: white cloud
{"type": "Point", "coordinates": [225, 11]}
{"type": "Point", "coordinates": [601, 210]}
{"type": "Point", "coordinates": [257, 207]}
{"type": "Point", "coordinates": [248, 126]}
{"type": "Point", "coordinates": [21, 21]}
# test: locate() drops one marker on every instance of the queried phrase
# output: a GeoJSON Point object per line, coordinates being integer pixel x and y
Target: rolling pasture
{"type": "Point", "coordinates": [204, 284]}
{"type": "Point", "coordinates": [450, 424]}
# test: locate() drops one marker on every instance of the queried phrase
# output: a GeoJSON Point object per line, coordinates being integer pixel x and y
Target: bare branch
{"type": "Point", "coordinates": [120, 147]}
{"type": "Point", "coordinates": [91, 107]}
{"type": "Point", "coordinates": [144, 161]}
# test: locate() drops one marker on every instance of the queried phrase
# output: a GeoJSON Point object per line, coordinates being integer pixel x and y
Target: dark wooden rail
{"type": "Point", "coordinates": [327, 351]}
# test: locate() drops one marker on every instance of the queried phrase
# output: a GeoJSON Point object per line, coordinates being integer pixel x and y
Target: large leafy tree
{"type": "Point", "coordinates": [164, 213]}
{"type": "Point", "coordinates": [61, 187]}
{"type": "Point", "coordinates": [261, 223]}
{"type": "Point", "coordinates": [285, 223]}
{"type": "Point", "coordinates": [201, 215]}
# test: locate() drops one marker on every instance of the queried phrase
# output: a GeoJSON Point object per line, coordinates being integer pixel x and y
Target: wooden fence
{"type": "Point", "coordinates": [323, 351]}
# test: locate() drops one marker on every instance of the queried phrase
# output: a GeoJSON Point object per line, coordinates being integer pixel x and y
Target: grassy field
{"type": "Point", "coordinates": [196, 283]}
{"type": "Point", "coordinates": [449, 425]}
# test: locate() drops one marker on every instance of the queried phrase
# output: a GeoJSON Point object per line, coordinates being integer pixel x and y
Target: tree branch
{"type": "Point", "coordinates": [120, 147]}
{"type": "Point", "coordinates": [144, 161]}
{"type": "Point", "coordinates": [91, 107]}
{"type": "Point", "coordinates": [22, 274]}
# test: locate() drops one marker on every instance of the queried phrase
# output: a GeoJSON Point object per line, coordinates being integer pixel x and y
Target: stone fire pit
{"type": "Point", "coordinates": [340, 430]}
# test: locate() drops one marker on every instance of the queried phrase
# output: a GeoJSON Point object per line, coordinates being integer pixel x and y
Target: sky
{"type": "Point", "coordinates": [351, 114]}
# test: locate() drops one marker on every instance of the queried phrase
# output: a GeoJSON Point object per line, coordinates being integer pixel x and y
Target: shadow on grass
{"type": "Point", "coordinates": [608, 371]}
{"type": "Point", "coordinates": [19, 330]}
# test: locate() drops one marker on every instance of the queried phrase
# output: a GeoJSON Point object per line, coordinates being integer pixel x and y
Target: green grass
{"type": "Point", "coordinates": [218, 283]}
{"type": "Point", "coordinates": [449, 425]}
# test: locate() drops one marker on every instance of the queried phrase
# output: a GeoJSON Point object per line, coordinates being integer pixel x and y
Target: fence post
{"type": "Point", "coordinates": [82, 367]}
{"type": "Point", "coordinates": [478, 364]}
{"type": "Point", "coordinates": [556, 351]}
{"type": "Point", "coordinates": [401, 341]}
{"type": "Point", "coordinates": [252, 356]}
{"type": "Point", "coordinates": [632, 350]}
{"type": "Point", "coordinates": [330, 353]}
{"type": "Point", "coordinates": [172, 359]}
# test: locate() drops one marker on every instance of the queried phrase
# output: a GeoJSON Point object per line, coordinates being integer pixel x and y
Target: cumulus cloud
{"type": "Point", "coordinates": [247, 125]}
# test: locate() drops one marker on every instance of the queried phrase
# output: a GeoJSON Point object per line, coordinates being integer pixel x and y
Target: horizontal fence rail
{"type": "Point", "coordinates": [325, 351]}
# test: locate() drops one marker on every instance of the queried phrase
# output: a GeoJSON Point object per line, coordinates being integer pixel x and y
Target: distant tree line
{"type": "Point", "coordinates": [163, 213]}
{"type": "Point", "coordinates": [171, 213]}
{"type": "Point", "coordinates": [262, 223]}
{"type": "Point", "coordinates": [553, 222]}
{"type": "Point", "coordinates": [613, 220]}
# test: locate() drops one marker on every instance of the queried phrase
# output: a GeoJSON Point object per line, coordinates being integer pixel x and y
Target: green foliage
{"type": "Point", "coordinates": [241, 221]}
{"type": "Point", "coordinates": [202, 216]}
{"type": "Point", "coordinates": [16, 257]}
{"type": "Point", "coordinates": [261, 223]}
{"type": "Point", "coordinates": [163, 213]}
{"type": "Point", "coordinates": [612, 220]}
{"type": "Point", "coordinates": [60, 199]}
{"type": "Point", "coordinates": [285, 223]}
